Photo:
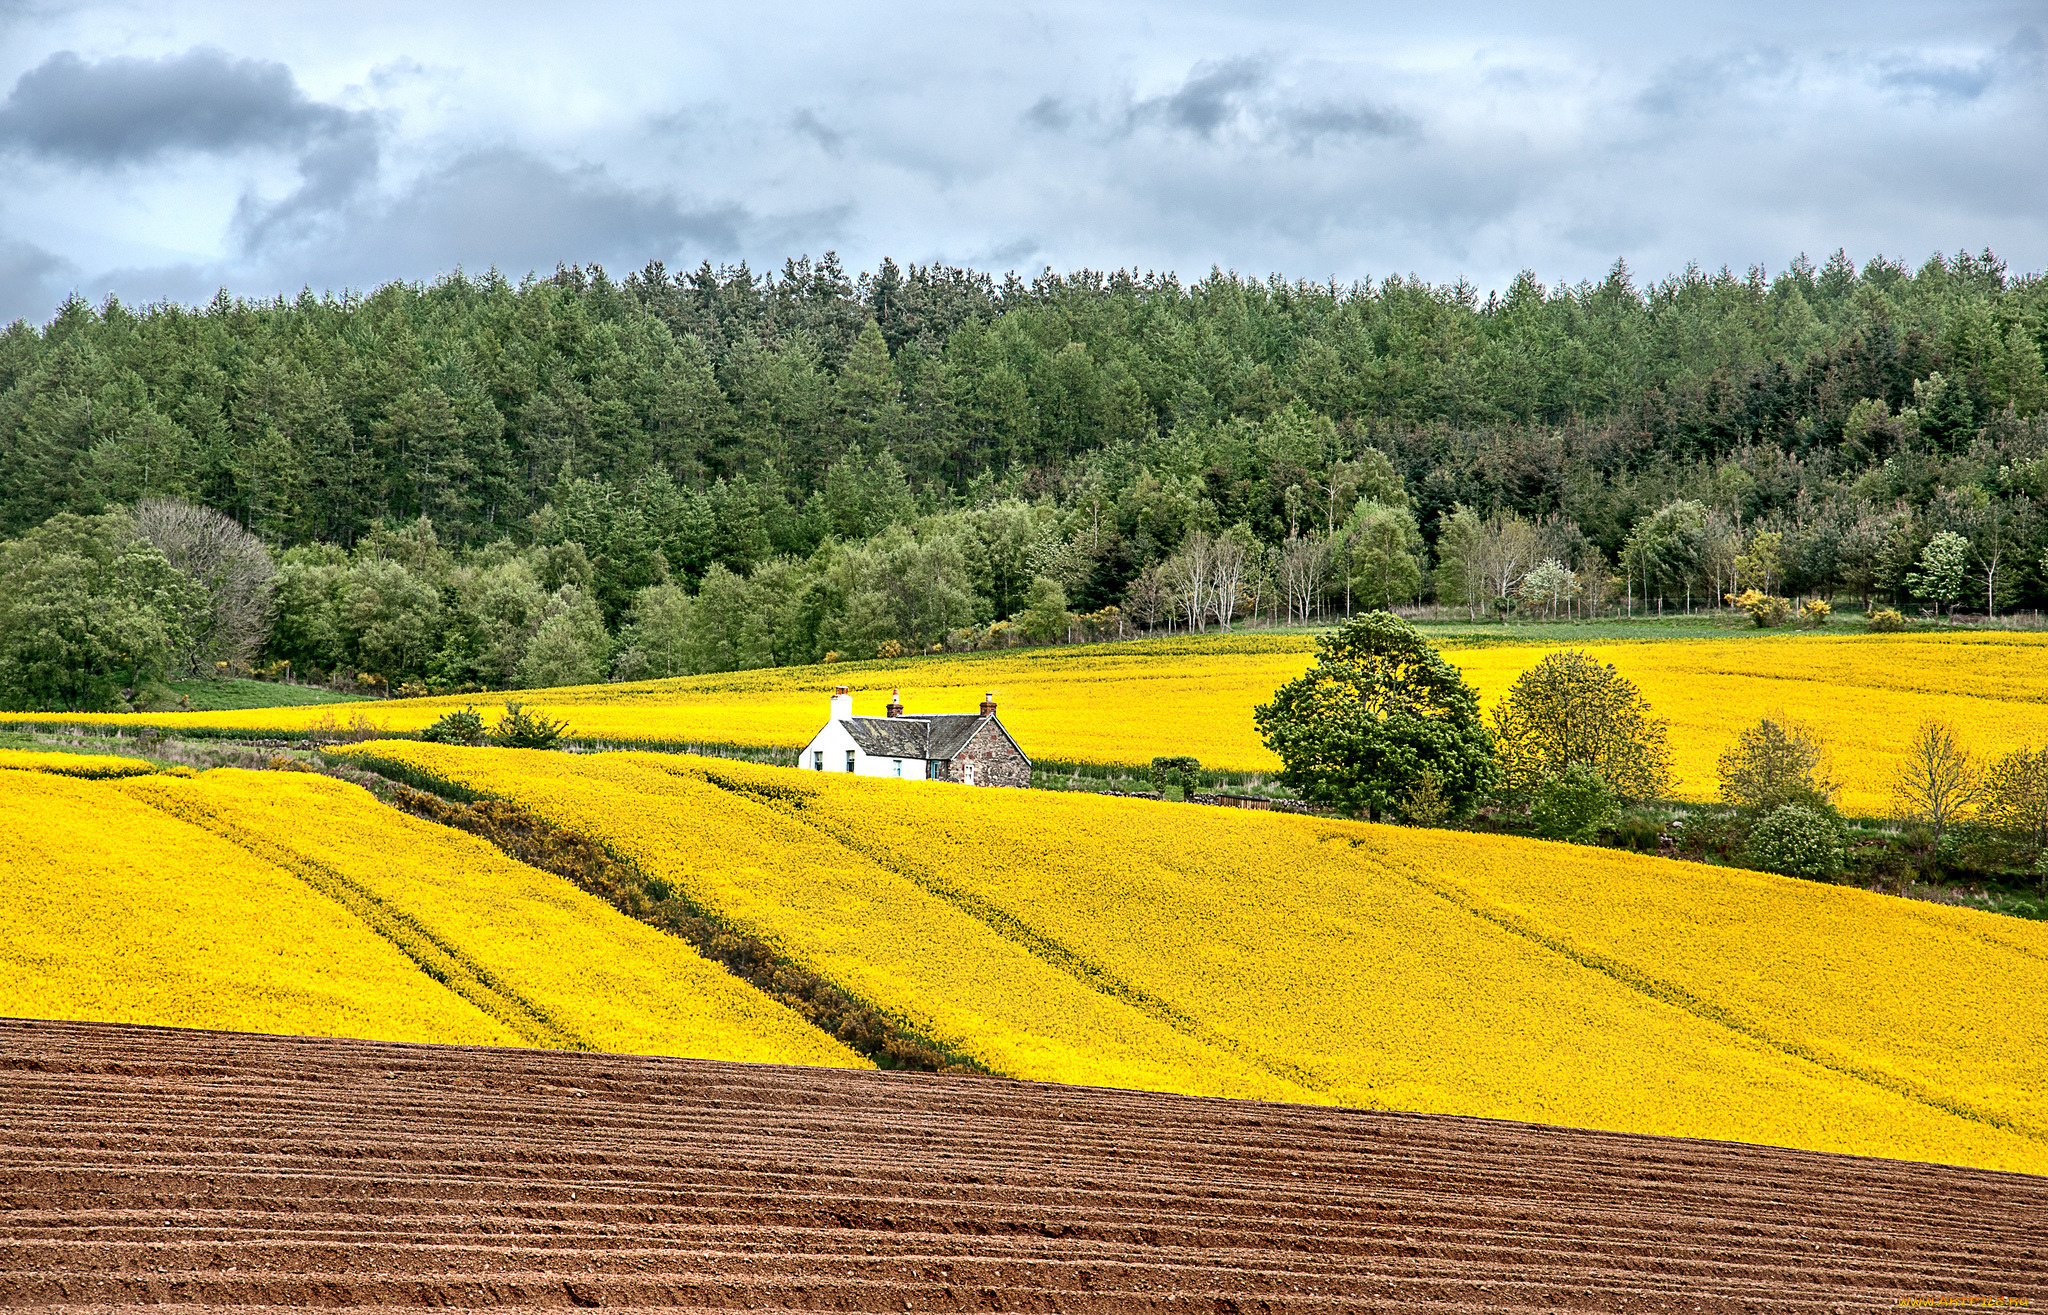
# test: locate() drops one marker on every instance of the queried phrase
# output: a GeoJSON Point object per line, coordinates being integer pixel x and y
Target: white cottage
{"type": "Point", "coordinates": [968, 748]}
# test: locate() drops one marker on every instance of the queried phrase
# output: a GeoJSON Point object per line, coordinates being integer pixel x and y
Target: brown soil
{"type": "Point", "coordinates": [206, 1169]}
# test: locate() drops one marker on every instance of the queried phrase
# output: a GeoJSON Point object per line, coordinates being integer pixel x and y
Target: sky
{"type": "Point", "coordinates": [169, 149]}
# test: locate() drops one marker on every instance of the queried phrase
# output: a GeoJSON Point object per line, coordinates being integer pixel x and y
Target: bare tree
{"type": "Point", "coordinates": [1938, 781]}
{"type": "Point", "coordinates": [1146, 598]}
{"type": "Point", "coordinates": [1303, 563]}
{"type": "Point", "coordinates": [1187, 576]}
{"type": "Point", "coordinates": [1991, 534]}
{"type": "Point", "coordinates": [1507, 548]}
{"type": "Point", "coordinates": [1226, 577]}
{"type": "Point", "coordinates": [229, 563]}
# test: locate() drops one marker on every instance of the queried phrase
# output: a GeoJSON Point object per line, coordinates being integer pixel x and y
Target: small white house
{"type": "Point", "coordinates": [968, 748]}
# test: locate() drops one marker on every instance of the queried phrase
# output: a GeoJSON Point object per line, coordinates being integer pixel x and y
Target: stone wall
{"type": "Point", "coordinates": [996, 761]}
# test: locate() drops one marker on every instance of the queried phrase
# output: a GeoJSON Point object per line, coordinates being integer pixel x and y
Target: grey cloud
{"type": "Point", "coordinates": [1210, 98]}
{"type": "Point", "coordinates": [1963, 80]}
{"type": "Point", "coordinates": [28, 280]}
{"type": "Point", "coordinates": [1050, 113]}
{"type": "Point", "coordinates": [516, 211]}
{"type": "Point", "coordinates": [806, 123]}
{"type": "Point", "coordinates": [1310, 124]}
{"type": "Point", "coordinates": [1690, 86]}
{"type": "Point", "coordinates": [124, 110]}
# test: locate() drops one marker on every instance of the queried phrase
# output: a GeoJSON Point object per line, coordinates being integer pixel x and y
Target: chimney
{"type": "Point", "coordinates": [988, 704]}
{"type": "Point", "coordinates": [895, 703]}
{"type": "Point", "coordinates": [842, 703]}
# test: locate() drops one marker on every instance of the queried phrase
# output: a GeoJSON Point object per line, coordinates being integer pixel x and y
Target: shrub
{"type": "Point", "coordinates": [1776, 762]}
{"type": "Point", "coordinates": [464, 727]}
{"type": "Point", "coordinates": [1816, 613]}
{"type": "Point", "coordinates": [889, 648]}
{"type": "Point", "coordinates": [1797, 841]}
{"type": "Point", "coordinates": [520, 729]}
{"type": "Point", "coordinates": [1767, 610]}
{"type": "Point", "coordinates": [1572, 805]}
{"type": "Point", "coordinates": [1887, 621]}
{"type": "Point", "coordinates": [1638, 833]}
{"type": "Point", "coordinates": [1425, 804]}
{"type": "Point", "coordinates": [1175, 771]}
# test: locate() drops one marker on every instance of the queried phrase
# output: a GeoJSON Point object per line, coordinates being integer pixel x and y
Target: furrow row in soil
{"type": "Point", "coordinates": [217, 1171]}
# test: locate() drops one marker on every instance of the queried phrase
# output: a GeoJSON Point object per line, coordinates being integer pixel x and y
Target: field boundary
{"type": "Point", "coordinates": [439, 960]}
{"type": "Point", "coordinates": [1678, 997]}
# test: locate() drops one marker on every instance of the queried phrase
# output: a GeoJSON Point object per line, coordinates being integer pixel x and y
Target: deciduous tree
{"type": "Point", "coordinates": [1378, 714]}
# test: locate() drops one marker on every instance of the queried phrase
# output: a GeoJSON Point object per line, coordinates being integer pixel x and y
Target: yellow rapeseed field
{"type": "Point", "coordinates": [1126, 703]}
{"type": "Point", "coordinates": [1348, 963]}
{"type": "Point", "coordinates": [91, 766]}
{"type": "Point", "coordinates": [118, 912]}
{"type": "Point", "coordinates": [556, 966]}
{"type": "Point", "coordinates": [874, 933]}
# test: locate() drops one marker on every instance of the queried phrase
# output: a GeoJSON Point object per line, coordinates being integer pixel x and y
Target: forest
{"type": "Point", "coordinates": [481, 484]}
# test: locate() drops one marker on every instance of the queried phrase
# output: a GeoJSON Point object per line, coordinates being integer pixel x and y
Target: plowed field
{"type": "Point", "coordinates": [215, 1170]}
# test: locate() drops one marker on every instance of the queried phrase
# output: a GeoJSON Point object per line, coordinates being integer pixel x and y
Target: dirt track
{"type": "Point", "coordinates": [209, 1169]}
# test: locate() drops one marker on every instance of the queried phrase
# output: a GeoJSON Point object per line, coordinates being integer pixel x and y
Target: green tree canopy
{"type": "Point", "coordinates": [89, 611]}
{"type": "Point", "coordinates": [1377, 717]}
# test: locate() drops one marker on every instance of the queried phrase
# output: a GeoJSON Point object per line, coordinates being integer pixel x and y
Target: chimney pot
{"type": "Point", "coordinates": [988, 704]}
{"type": "Point", "coordinates": [895, 703]}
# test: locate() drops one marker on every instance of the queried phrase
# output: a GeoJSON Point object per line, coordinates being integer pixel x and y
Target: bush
{"type": "Point", "coordinates": [1887, 621]}
{"type": "Point", "coordinates": [464, 727]}
{"type": "Point", "coordinates": [520, 729]}
{"type": "Point", "coordinates": [1179, 771]}
{"type": "Point", "coordinates": [1767, 610]}
{"type": "Point", "coordinates": [1816, 613]}
{"type": "Point", "coordinates": [1776, 762]}
{"type": "Point", "coordinates": [1638, 833]}
{"type": "Point", "coordinates": [1572, 805]}
{"type": "Point", "coordinates": [1797, 841]}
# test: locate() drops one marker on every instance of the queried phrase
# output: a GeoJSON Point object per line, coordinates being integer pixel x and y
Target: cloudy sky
{"type": "Point", "coordinates": [168, 149]}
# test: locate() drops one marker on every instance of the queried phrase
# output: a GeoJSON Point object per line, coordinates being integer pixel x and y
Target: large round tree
{"type": "Point", "coordinates": [1380, 725]}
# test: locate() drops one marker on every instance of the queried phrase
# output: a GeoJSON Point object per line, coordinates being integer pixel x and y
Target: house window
{"type": "Point", "coordinates": [818, 760]}
{"type": "Point", "coordinates": [849, 760]}
{"type": "Point", "coordinates": [899, 765]}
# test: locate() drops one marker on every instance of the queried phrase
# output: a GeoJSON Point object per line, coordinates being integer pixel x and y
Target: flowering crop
{"type": "Point", "coordinates": [1347, 963]}
{"type": "Point", "coordinates": [1128, 703]}
{"type": "Point", "coordinates": [877, 935]}
{"type": "Point", "coordinates": [92, 766]}
{"type": "Point", "coordinates": [556, 966]}
{"type": "Point", "coordinates": [118, 912]}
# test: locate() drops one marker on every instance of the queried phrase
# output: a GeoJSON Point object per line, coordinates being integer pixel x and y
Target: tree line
{"type": "Point", "coordinates": [1382, 727]}
{"type": "Point", "coordinates": [694, 472]}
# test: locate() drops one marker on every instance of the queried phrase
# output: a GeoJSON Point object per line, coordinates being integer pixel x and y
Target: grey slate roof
{"type": "Point", "coordinates": [941, 735]}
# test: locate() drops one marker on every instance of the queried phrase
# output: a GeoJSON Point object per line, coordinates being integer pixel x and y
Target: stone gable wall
{"type": "Point", "coordinates": [996, 761]}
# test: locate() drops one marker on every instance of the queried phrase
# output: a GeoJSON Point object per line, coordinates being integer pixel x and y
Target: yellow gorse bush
{"type": "Point", "coordinates": [1128, 703]}
{"type": "Point", "coordinates": [91, 766]}
{"type": "Point", "coordinates": [1122, 942]}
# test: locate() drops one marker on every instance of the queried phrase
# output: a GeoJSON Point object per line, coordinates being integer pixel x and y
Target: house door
{"type": "Point", "coordinates": [967, 773]}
